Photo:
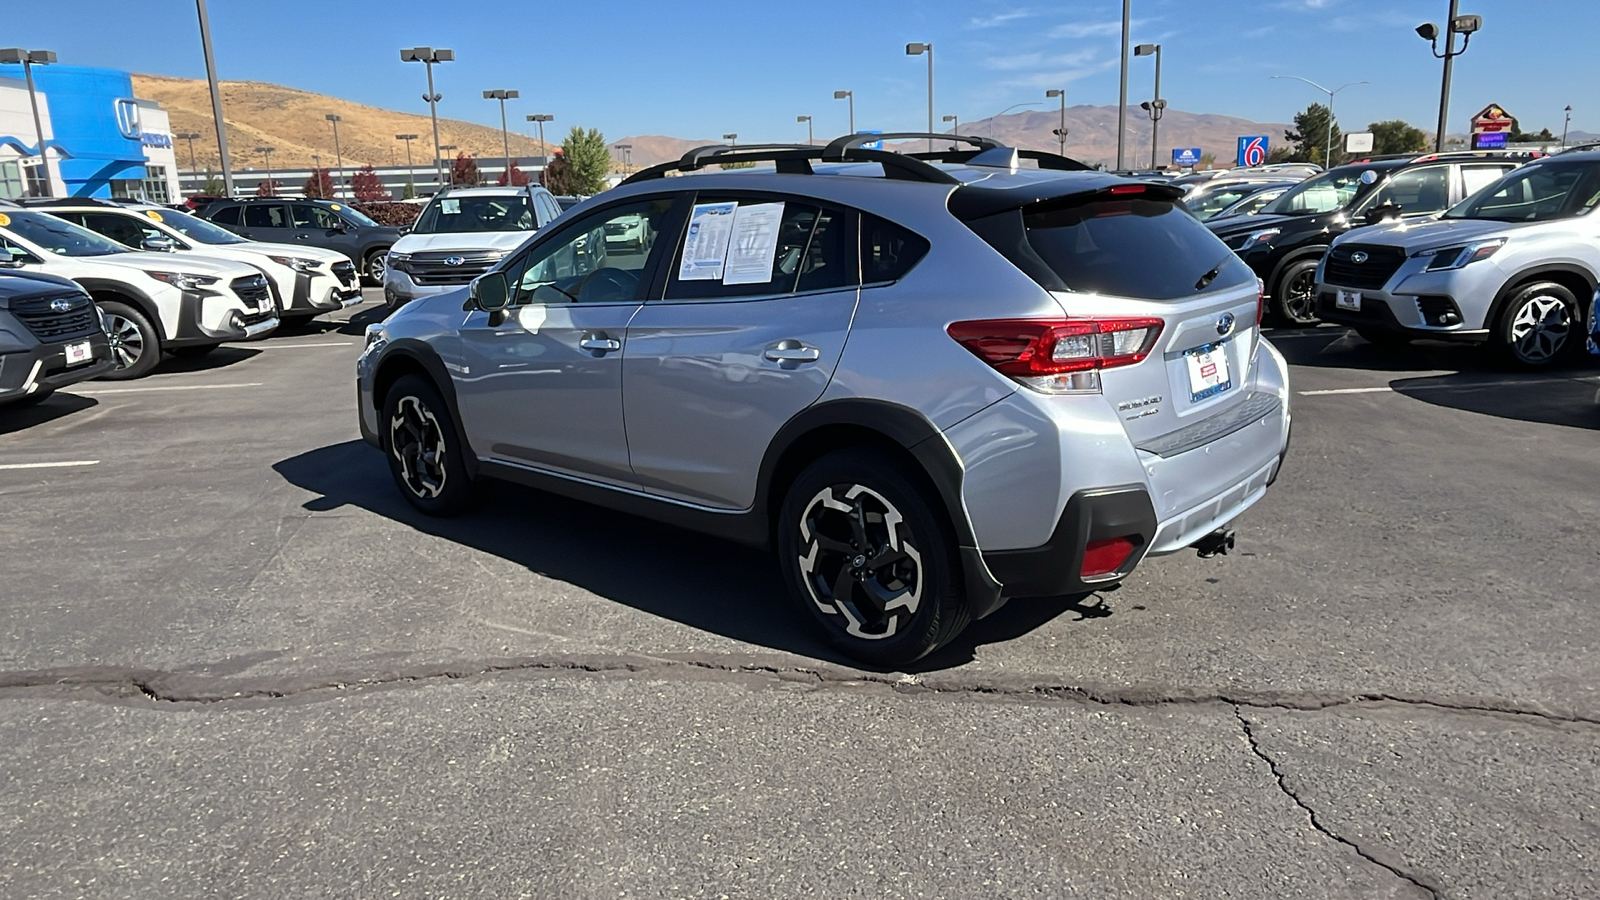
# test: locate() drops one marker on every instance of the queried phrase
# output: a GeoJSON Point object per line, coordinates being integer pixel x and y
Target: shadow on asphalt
{"type": "Point", "coordinates": [702, 582]}
{"type": "Point", "coordinates": [14, 418]}
{"type": "Point", "coordinates": [1563, 397]}
{"type": "Point", "coordinates": [219, 358]}
{"type": "Point", "coordinates": [1334, 347]}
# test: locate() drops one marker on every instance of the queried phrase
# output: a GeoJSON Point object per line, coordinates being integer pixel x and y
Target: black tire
{"type": "Point", "coordinates": [135, 343]}
{"type": "Point", "coordinates": [372, 267]}
{"type": "Point", "coordinates": [1539, 326]}
{"type": "Point", "coordinates": [903, 581]}
{"type": "Point", "coordinates": [1382, 338]}
{"type": "Point", "coordinates": [1294, 297]}
{"type": "Point", "coordinates": [193, 352]}
{"type": "Point", "coordinates": [424, 453]}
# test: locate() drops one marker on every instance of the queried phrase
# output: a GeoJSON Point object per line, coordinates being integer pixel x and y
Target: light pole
{"type": "Point", "coordinates": [732, 139]}
{"type": "Point", "coordinates": [1061, 133]}
{"type": "Point", "coordinates": [411, 179]}
{"type": "Point", "coordinates": [1565, 126]}
{"type": "Point", "coordinates": [1327, 153]}
{"type": "Point", "coordinates": [191, 137]}
{"type": "Point", "coordinates": [627, 157]}
{"type": "Point", "coordinates": [29, 59]}
{"type": "Point", "coordinates": [811, 139]}
{"type": "Point", "coordinates": [1156, 106]}
{"type": "Point", "coordinates": [955, 127]}
{"type": "Point", "coordinates": [918, 50]}
{"type": "Point", "coordinates": [1453, 26]}
{"type": "Point", "coordinates": [851, 96]}
{"type": "Point", "coordinates": [505, 136]}
{"type": "Point", "coordinates": [1122, 95]}
{"type": "Point", "coordinates": [337, 150]}
{"type": "Point", "coordinates": [272, 189]}
{"type": "Point", "coordinates": [216, 98]}
{"type": "Point", "coordinates": [428, 56]}
{"type": "Point", "coordinates": [541, 118]}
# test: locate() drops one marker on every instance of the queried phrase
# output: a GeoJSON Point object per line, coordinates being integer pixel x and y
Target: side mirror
{"type": "Point", "coordinates": [159, 244]}
{"type": "Point", "coordinates": [1381, 214]}
{"type": "Point", "coordinates": [490, 293]}
{"type": "Point", "coordinates": [405, 229]}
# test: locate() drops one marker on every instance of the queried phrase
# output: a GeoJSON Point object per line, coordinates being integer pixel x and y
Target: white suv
{"type": "Point", "coordinates": [306, 281]}
{"type": "Point", "coordinates": [461, 234]}
{"type": "Point", "coordinates": [150, 302]}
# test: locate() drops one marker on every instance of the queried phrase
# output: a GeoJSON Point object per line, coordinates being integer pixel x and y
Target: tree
{"type": "Point", "coordinates": [1314, 129]}
{"type": "Point", "coordinates": [214, 185]}
{"type": "Point", "coordinates": [1208, 161]}
{"type": "Point", "coordinates": [267, 188]}
{"type": "Point", "coordinates": [366, 186]}
{"type": "Point", "coordinates": [464, 170]}
{"type": "Point", "coordinates": [590, 159]}
{"type": "Point", "coordinates": [745, 164]}
{"type": "Point", "coordinates": [518, 177]}
{"type": "Point", "coordinates": [557, 175]}
{"type": "Point", "coordinates": [1397, 136]}
{"type": "Point", "coordinates": [410, 192]}
{"type": "Point", "coordinates": [319, 186]}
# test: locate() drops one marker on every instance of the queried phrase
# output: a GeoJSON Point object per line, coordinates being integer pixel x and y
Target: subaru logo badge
{"type": "Point", "coordinates": [1225, 324]}
{"type": "Point", "coordinates": [62, 305]}
{"type": "Point", "coordinates": [453, 260]}
{"type": "Point", "coordinates": [1359, 257]}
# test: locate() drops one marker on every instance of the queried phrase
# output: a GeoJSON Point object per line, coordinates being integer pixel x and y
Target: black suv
{"type": "Point", "coordinates": [314, 223]}
{"type": "Point", "coordinates": [1284, 241]}
{"type": "Point", "coordinates": [50, 337]}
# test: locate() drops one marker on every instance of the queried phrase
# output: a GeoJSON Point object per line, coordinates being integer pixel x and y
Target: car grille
{"type": "Point", "coordinates": [345, 271]}
{"type": "Point", "coordinates": [254, 291]}
{"type": "Point", "coordinates": [1372, 273]}
{"type": "Point", "coordinates": [48, 324]}
{"type": "Point", "coordinates": [431, 268]}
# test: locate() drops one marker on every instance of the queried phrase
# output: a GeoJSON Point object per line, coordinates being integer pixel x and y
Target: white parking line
{"type": "Point", "coordinates": [1372, 390]}
{"type": "Point", "coordinates": [306, 346]}
{"type": "Point", "coordinates": [164, 387]}
{"type": "Point", "coordinates": [1463, 386]}
{"type": "Point", "coordinates": [51, 465]}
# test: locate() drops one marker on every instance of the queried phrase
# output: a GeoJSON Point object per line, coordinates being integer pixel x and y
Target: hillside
{"type": "Point", "coordinates": [292, 121]}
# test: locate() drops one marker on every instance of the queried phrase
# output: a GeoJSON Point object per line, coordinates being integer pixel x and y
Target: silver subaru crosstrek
{"type": "Point", "coordinates": [930, 384]}
{"type": "Point", "coordinates": [1512, 266]}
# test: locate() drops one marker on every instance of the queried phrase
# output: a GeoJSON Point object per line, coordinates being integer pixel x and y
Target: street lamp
{"type": "Point", "coordinates": [955, 127]}
{"type": "Point", "coordinates": [410, 176]}
{"type": "Point", "coordinates": [505, 136]}
{"type": "Point", "coordinates": [1156, 106]}
{"type": "Point", "coordinates": [541, 118]}
{"type": "Point", "coordinates": [1122, 91]}
{"type": "Point", "coordinates": [1061, 133]}
{"type": "Point", "coordinates": [918, 50]}
{"type": "Point", "coordinates": [810, 138]}
{"type": "Point", "coordinates": [1566, 125]}
{"type": "Point", "coordinates": [428, 56]}
{"type": "Point", "coordinates": [338, 151]}
{"type": "Point", "coordinates": [1453, 26]}
{"type": "Point", "coordinates": [28, 59]}
{"type": "Point", "coordinates": [272, 189]}
{"type": "Point", "coordinates": [1327, 153]}
{"type": "Point", "coordinates": [627, 157]}
{"type": "Point", "coordinates": [851, 96]}
{"type": "Point", "coordinates": [216, 97]}
{"type": "Point", "coordinates": [732, 139]}
{"type": "Point", "coordinates": [191, 137]}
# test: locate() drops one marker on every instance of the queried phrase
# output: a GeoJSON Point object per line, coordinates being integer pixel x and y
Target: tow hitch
{"type": "Point", "coordinates": [1217, 543]}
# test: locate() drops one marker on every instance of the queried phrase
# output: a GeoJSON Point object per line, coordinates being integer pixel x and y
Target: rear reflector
{"type": "Point", "coordinates": [1024, 348]}
{"type": "Point", "coordinates": [1107, 556]}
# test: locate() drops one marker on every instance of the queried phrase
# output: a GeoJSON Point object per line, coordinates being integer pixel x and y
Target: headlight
{"type": "Point", "coordinates": [398, 261]}
{"type": "Point", "coordinates": [1447, 258]}
{"type": "Point", "coordinates": [1259, 237]}
{"type": "Point", "coordinates": [183, 281]}
{"type": "Point", "coordinates": [295, 263]}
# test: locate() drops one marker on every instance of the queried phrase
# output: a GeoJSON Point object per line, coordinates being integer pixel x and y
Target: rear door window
{"type": "Point", "coordinates": [265, 215]}
{"type": "Point", "coordinates": [1129, 247]}
{"type": "Point", "coordinates": [771, 246]}
{"type": "Point", "coordinates": [1477, 177]}
{"type": "Point", "coordinates": [228, 215]}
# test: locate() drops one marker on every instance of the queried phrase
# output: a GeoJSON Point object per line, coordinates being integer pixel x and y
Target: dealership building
{"type": "Point", "coordinates": [100, 140]}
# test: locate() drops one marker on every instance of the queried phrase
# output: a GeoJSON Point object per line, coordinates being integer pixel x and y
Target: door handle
{"type": "Point", "coordinates": [303, 237]}
{"type": "Point", "coordinates": [599, 342]}
{"type": "Point", "coordinates": [792, 352]}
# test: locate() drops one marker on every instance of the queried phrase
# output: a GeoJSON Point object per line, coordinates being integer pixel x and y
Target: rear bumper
{"type": "Point", "coordinates": [1054, 568]}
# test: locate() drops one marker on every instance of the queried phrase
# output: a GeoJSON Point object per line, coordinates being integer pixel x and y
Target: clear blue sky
{"type": "Point", "coordinates": [704, 68]}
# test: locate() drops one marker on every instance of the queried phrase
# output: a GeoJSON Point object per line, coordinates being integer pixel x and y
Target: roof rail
{"type": "Point", "coordinates": [860, 139]}
{"type": "Point", "coordinates": [1045, 159]}
{"type": "Point", "coordinates": [1580, 148]}
{"type": "Point", "coordinates": [66, 201]}
{"type": "Point", "coordinates": [796, 159]}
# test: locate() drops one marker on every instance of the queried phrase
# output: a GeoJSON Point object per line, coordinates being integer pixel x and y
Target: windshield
{"type": "Point", "coordinates": [59, 237]}
{"type": "Point", "coordinates": [450, 215]}
{"type": "Point", "coordinates": [356, 216]}
{"type": "Point", "coordinates": [198, 229]}
{"type": "Point", "coordinates": [1328, 192]}
{"type": "Point", "coordinates": [1212, 202]}
{"type": "Point", "coordinates": [1536, 193]}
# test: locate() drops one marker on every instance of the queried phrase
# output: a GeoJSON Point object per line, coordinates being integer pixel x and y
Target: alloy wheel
{"type": "Point", "coordinates": [1300, 296]}
{"type": "Point", "coordinates": [858, 561]}
{"type": "Point", "coordinates": [1540, 329]}
{"type": "Point", "coordinates": [127, 342]}
{"type": "Point", "coordinates": [375, 267]}
{"type": "Point", "coordinates": [417, 443]}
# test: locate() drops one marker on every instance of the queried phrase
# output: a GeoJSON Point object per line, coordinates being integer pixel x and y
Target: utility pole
{"type": "Point", "coordinates": [544, 149]}
{"type": "Point", "coordinates": [851, 96]}
{"type": "Point", "coordinates": [1122, 95]}
{"type": "Point", "coordinates": [505, 134]}
{"type": "Point", "coordinates": [267, 152]}
{"type": "Point", "coordinates": [810, 139]}
{"type": "Point", "coordinates": [29, 59]}
{"type": "Point", "coordinates": [428, 56]}
{"type": "Point", "coordinates": [216, 98]}
{"type": "Point", "coordinates": [1456, 24]}
{"type": "Point", "coordinates": [918, 50]}
{"type": "Point", "coordinates": [1156, 106]}
{"type": "Point", "coordinates": [1061, 133]}
{"type": "Point", "coordinates": [411, 178]}
{"type": "Point", "coordinates": [337, 151]}
{"type": "Point", "coordinates": [194, 169]}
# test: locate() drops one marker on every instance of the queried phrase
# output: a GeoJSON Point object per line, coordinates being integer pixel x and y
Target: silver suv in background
{"type": "Point", "coordinates": [929, 384]}
{"type": "Point", "coordinates": [1513, 266]}
{"type": "Point", "coordinates": [459, 235]}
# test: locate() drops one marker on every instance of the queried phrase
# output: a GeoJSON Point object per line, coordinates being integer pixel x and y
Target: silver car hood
{"type": "Point", "coordinates": [1430, 232]}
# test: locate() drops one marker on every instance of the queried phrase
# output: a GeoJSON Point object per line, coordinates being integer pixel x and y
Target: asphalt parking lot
{"type": "Point", "coordinates": [234, 662]}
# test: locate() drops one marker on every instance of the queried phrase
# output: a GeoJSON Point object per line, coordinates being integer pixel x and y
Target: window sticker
{"type": "Point", "coordinates": [4, 220]}
{"type": "Point", "coordinates": [754, 244]}
{"type": "Point", "coordinates": [449, 207]}
{"type": "Point", "coordinates": [153, 214]}
{"type": "Point", "coordinates": [336, 207]}
{"type": "Point", "coordinates": [705, 247]}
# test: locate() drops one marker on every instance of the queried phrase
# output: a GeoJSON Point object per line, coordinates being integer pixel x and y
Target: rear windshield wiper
{"type": "Point", "coordinates": [1207, 278]}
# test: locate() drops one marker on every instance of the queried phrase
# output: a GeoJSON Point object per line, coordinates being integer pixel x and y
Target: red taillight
{"type": "Point", "coordinates": [1107, 556]}
{"type": "Point", "coordinates": [1261, 300]}
{"type": "Point", "coordinates": [1034, 347]}
{"type": "Point", "coordinates": [1126, 189]}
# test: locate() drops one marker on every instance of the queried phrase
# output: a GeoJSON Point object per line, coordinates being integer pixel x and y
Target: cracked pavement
{"type": "Point", "coordinates": [234, 663]}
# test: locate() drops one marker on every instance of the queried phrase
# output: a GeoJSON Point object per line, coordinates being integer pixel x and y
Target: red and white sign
{"type": "Point", "coordinates": [1493, 120]}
